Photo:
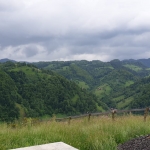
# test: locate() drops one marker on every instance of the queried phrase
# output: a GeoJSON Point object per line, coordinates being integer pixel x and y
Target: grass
{"type": "Point", "coordinates": [117, 99]}
{"type": "Point", "coordinates": [124, 103]}
{"type": "Point", "coordinates": [31, 72]}
{"type": "Point", "coordinates": [133, 67]}
{"type": "Point", "coordinates": [47, 117]}
{"type": "Point", "coordinates": [74, 99]}
{"type": "Point", "coordinates": [101, 133]}
{"type": "Point", "coordinates": [50, 66]}
{"type": "Point", "coordinates": [105, 88]}
{"type": "Point", "coordinates": [128, 83]}
{"type": "Point", "coordinates": [100, 108]}
{"type": "Point", "coordinates": [82, 84]}
{"type": "Point", "coordinates": [66, 68]}
{"type": "Point", "coordinates": [25, 69]}
{"type": "Point", "coordinates": [110, 67]}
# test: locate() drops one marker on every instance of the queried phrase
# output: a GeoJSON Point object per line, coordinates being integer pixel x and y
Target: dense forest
{"type": "Point", "coordinates": [71, 87]}
{"type": "Point", "coordinates": [116, 83]}
{"type": "Point", "coordinates": [28, 91]}
{"type": "Point", "coordinates": [135, 96]}
{"type": "Point", "coordinates": [8, 92]}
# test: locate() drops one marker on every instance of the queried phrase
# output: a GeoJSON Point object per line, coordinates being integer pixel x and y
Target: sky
{"type": "Point", "coordinates": [62, 30]}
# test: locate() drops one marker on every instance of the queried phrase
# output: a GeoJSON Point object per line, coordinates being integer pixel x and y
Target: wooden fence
{"type": "Point", "coordinates": [112, 112]}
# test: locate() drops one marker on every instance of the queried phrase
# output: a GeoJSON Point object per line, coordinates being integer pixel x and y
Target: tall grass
{"type": "Point", "coordinates": [101, 133]}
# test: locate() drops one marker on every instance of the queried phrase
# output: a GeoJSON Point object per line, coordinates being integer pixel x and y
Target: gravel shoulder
{"type": "Point", "coordinates": [140, 143]}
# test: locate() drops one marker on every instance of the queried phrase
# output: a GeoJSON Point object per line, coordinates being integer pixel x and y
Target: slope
{"type": "Point", "coordinates": [8, 95]}
{"type": "Point", "coordinates": [136, 95]}
{"type": "Point", "coordinates": [101, 78]}
{"type": "Point", "coordinates": [44, 92]}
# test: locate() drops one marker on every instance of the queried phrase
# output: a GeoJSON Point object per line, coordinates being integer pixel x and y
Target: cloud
{"type": "Point", "coordinates": [36, 30]}
{"type": "Point", "coordinates": [23, 52]}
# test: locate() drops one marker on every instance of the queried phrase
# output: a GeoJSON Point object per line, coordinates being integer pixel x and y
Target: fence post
{"type": "Point", "coordinates": [146, 113]}
{"type": "Point", "coordinates": [69, 121]}
{"type": "Point", "coordinates": [113, 114]}
{"type": "Point", "coordinates": [89, 116]}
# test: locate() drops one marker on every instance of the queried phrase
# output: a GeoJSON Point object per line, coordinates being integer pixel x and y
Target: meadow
{"type": "Point", "coordinates": [100, 133]}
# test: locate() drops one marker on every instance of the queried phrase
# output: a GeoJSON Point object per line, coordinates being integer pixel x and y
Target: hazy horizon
{"type": "Point", "coordinates": [68, 60]}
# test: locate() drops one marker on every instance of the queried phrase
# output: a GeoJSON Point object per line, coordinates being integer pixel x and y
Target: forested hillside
{"type": "Point", "coordinates": [136, 95]}
{"type": "Point", "coordinates": [142, 97]}
{"type": "Point", "coordinates": [146, 62]}
{"type": "Point", "coordinates": [32, 92]}
{"type": "Point", "coordinates": [26, 90]}
{"type": "Point", "coordinates": [8, 93]}
{"type": "Point", "coordinates": [107, 80]}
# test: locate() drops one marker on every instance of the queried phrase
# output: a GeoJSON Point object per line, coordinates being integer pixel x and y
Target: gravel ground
{"type": "Point", "coordinates": [140, 143]}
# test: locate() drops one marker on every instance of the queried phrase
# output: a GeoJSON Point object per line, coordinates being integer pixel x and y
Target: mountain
{"type": "Point", "coordinates": [94, 85]}
{"type": "Point", "coordinates": [142, 96]}
{"type": "Point", "coordinates": [5, 60]}
{"type": "Point", "coordinates": [136, 95]}
{"type": "Point", "coordinates": [146, 62]}
{"type": "Point", "coordinates": [98, 77]}
{"type": "Point", "coordinates": [28, 91]}
{"type": "Point", "coordinates": [104, 79]}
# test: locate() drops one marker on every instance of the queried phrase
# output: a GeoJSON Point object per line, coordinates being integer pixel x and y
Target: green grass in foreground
{"type": "Point", "coordinates": [101, 133]}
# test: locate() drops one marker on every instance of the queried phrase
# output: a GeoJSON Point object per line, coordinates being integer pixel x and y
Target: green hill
{"type": "Point", "coordinates": [107, 80]}
{"type": "Point", "coordinates": [8, 92]}
{"type": "Point", "coordinates": [83, 72]}
{"type": "Point", "coordinates": [136, 95]}
{"type": "Point", "coordinates": [34, 92]}
{"type": "Point", "coordinates": [90, 86]}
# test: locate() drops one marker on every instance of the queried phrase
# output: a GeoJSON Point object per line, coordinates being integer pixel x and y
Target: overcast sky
{"type": "Point", "coordinates": [47, 30]}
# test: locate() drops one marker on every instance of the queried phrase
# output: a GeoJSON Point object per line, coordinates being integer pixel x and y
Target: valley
{"type": "Point", "coordinates": [72, 87]}
{"type": "Point", "coordinates": [116, 83]}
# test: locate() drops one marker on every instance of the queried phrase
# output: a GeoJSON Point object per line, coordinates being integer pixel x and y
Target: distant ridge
{"type": "Point", "coordinates": [145, 62]}
{"type": "Point", "coordinates": [5, 60]}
